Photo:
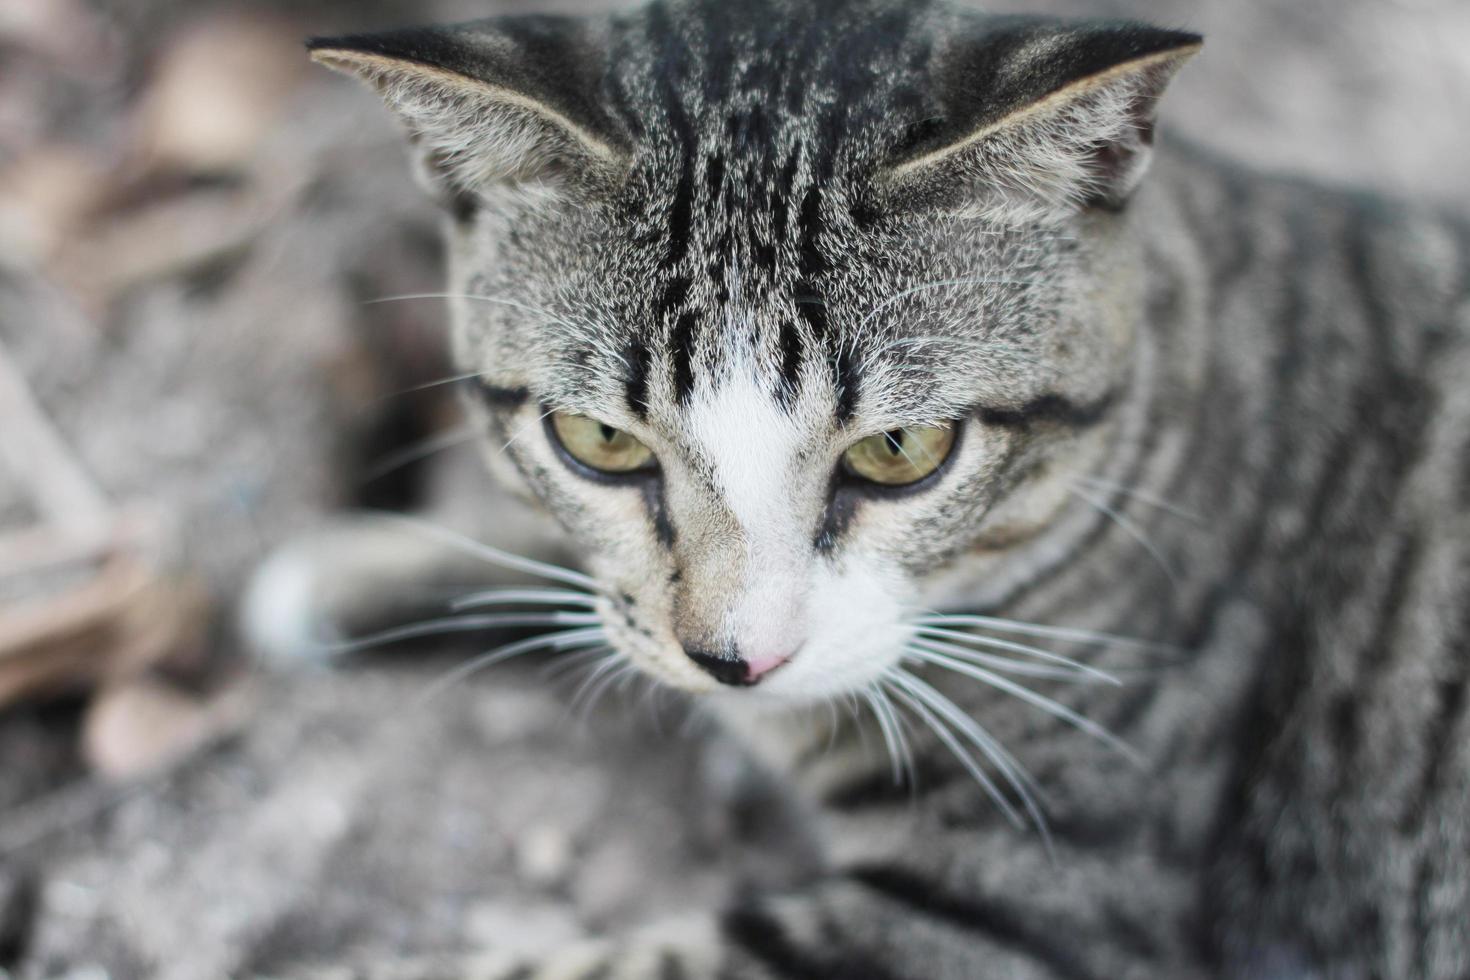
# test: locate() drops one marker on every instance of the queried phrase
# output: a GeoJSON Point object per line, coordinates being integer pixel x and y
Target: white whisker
{"type": "Point", "coordinates": [1070, 667]}
{"type": "Point", "coordinates": [1002, 756]}
{"type": "Point", "coordinates": [911, 689]}
{"type": "Point", "coordinates": [905, 755]}
{"type": "Point", "coordinates": [1130, 528]}
{"type": "Point", "coordinates": [422, 449]}
{"type": "Point", "coordinates": [495, 556]}
{"type": "Point", "coordinates": [613, 663]}
{"type": "Point", "coordinates": [461, 624]}
{"type": "Point", "coordinates": [917, 704]}
{"type": "Point", "coordinates": [900, 730]}
{"type": "Point", "coordinates": [564, 640]}
{"type": "Point", "coordinates": [530, 597]}
{"type": "Point", "coordinates": [885, 725]}
{"type": "Point", "coordinates": [1005, 665]}
{"type": "Point", "coordinates": [569, 662]}
{"type": "Point", "coordinates": [1049, 705]}
{"type": "Point", "coordinates": [1143, 496]}
{"type": "Point", "coordinates": [527, 428]}
{"type": "Point", "coordinates": [428, 385]}
{"type": "Point", "coordinates": [1018, 627]}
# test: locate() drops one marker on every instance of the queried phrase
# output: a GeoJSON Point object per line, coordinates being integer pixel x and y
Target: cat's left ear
{"type": "Point", "coordinates": [509, 100]}
{"type": "Point", "coordinates": [1037, 118]}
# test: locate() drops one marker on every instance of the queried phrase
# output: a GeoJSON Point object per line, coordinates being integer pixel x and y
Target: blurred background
{"type": "Point", "coordinates": [194, 224]}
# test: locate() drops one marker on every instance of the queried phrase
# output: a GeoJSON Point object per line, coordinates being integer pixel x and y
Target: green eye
{"type": "Point", "coordinates": [598, 445]}
{"type": "Point", "coordinates": [900, 456]}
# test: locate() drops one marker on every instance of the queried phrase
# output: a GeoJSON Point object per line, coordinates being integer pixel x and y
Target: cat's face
{"type": "Point", "coordinates": [768, 487]}
{"type": "Point", "coordinates": [776, 372]}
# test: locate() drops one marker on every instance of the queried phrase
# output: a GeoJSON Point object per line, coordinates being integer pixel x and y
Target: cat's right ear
{"type": "Point", "coordinates": [510, 100]}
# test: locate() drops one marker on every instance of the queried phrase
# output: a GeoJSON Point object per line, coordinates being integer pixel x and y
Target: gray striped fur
{"type": "Point", "coordinates": [694, 198]}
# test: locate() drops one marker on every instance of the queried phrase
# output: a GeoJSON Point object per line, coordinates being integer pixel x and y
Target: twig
{"type": "Point", "coordinates": [40, 461]}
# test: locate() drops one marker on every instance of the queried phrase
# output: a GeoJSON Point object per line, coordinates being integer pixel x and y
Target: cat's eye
{"type": "Point", "coordinates": [600, 446]}
{"type": "Point", "coordinates": [900, 456]}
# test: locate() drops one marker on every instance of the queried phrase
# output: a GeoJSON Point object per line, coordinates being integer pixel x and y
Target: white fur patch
{"type": "Point", "coordinates": [841, 627]}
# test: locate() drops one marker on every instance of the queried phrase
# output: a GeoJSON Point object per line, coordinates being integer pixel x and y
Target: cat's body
{"type": "Point", "coordinates": [1218, 411]}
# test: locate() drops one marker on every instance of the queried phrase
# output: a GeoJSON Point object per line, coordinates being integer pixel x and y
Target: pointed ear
{"type": "Point", "coordinates": [1037, 119]}
{"type": "Point", "coordinates": [507, 100]}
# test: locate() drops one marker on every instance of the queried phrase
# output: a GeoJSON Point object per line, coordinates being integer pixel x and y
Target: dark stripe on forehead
{"type": "Point", "coordinates": [813, 262]}
{"type": "Point", "coordinates": [845, 370]}
{"type": "Point", "coordinates": [673, 297]}
{"type": "Point", "coordinates": [714, 180]}
{"type": "Point", "coordinates": [681, 344]}
{"type": "Point", "coordinates": [781, 195]}
{"type": "Point", "coordinates": [811, 307]}
{"type": "Point", "coordinates": [639, 359]}
{"type": "Point", "coordinates": [673, 71]}
{"type": "Point", "coordinates": [790, 382]}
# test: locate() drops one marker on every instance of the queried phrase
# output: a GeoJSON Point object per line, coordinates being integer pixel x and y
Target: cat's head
{"type": "Point", "coordinates": [787, 312]}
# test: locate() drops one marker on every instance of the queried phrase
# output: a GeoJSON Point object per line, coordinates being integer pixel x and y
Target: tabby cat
{"type": "Point", "coordinates": [856, 358]}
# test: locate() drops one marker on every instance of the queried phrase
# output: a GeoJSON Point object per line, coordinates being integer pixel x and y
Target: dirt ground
{"type": "Point", "coordinates": [194, 225]}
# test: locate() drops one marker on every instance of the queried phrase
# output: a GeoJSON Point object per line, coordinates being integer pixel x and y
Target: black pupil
{"type": "Point", "coordinates": [895, 442]}
{"type": "Point", "coordinates": [608, 433]}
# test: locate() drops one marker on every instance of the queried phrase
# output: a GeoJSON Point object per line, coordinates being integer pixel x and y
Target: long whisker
{"type": "Point", "coordinates": [1018, 627]}
{"type": "Point", "coordinates": [1129, 527]}
{"type": "Point", "coordinates": [885, 725]}
{"type": "Point", "coordinates": [973, 729]}
{"type": "Point", "coordinates": [495, 556]}
{"type": "Point", "coordinates": [1004, 665]}
{"type": "Point", "coordinates": [916, 704]}
{"type": "Point", "coordinates": [1049, 705]}
{"type": "Point", "coordinates": [422, 449]}
{"type": "Point", "coordinates": [572, 661]}
{"type": "Point", "coordinates": [916, 693]}
{"type": "Point", "coordinates": [906, 752]}
{"type": "Point", "coordinates": [461, 624]}
{"type": "Point", "coordinates": [527, 428]}
{"type": "Point", "coordinates": [564, 640]}
{"type": "Point", "coordinates": [428, 385]}
{"type": "Point", "coordinates": [1143, 496]}
{"type": "Point", "coordinates": [605, 666]}
{"type": "Point", "coordinates": [530, 597]}
{"type": "Point", "coordinates": [620, 668]}
{"type": "Point", "coordinates": [1071, 666]}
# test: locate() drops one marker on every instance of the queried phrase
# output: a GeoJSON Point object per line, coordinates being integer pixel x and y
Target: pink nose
{"type": "Point", "coordinates": [758, 666]}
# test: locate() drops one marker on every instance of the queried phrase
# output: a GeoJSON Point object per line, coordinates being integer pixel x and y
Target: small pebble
{"type": "Point", "coordinates": [544, 856]}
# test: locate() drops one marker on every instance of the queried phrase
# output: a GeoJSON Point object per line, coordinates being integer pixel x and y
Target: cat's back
{"type": "Point", "coordinates": [1363, 299]}
{"type": "Point", "coordinates": [1322, 339]}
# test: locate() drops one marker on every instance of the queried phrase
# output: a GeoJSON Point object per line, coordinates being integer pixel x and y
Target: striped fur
{"type": "Point", "coordinates": [807, 223]}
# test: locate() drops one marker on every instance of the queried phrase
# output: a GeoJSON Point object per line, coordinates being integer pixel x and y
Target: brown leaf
{"type": "Point", "coordinates": [218, 91]}
{"type": "Point", "coordinates": [145, 726]}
